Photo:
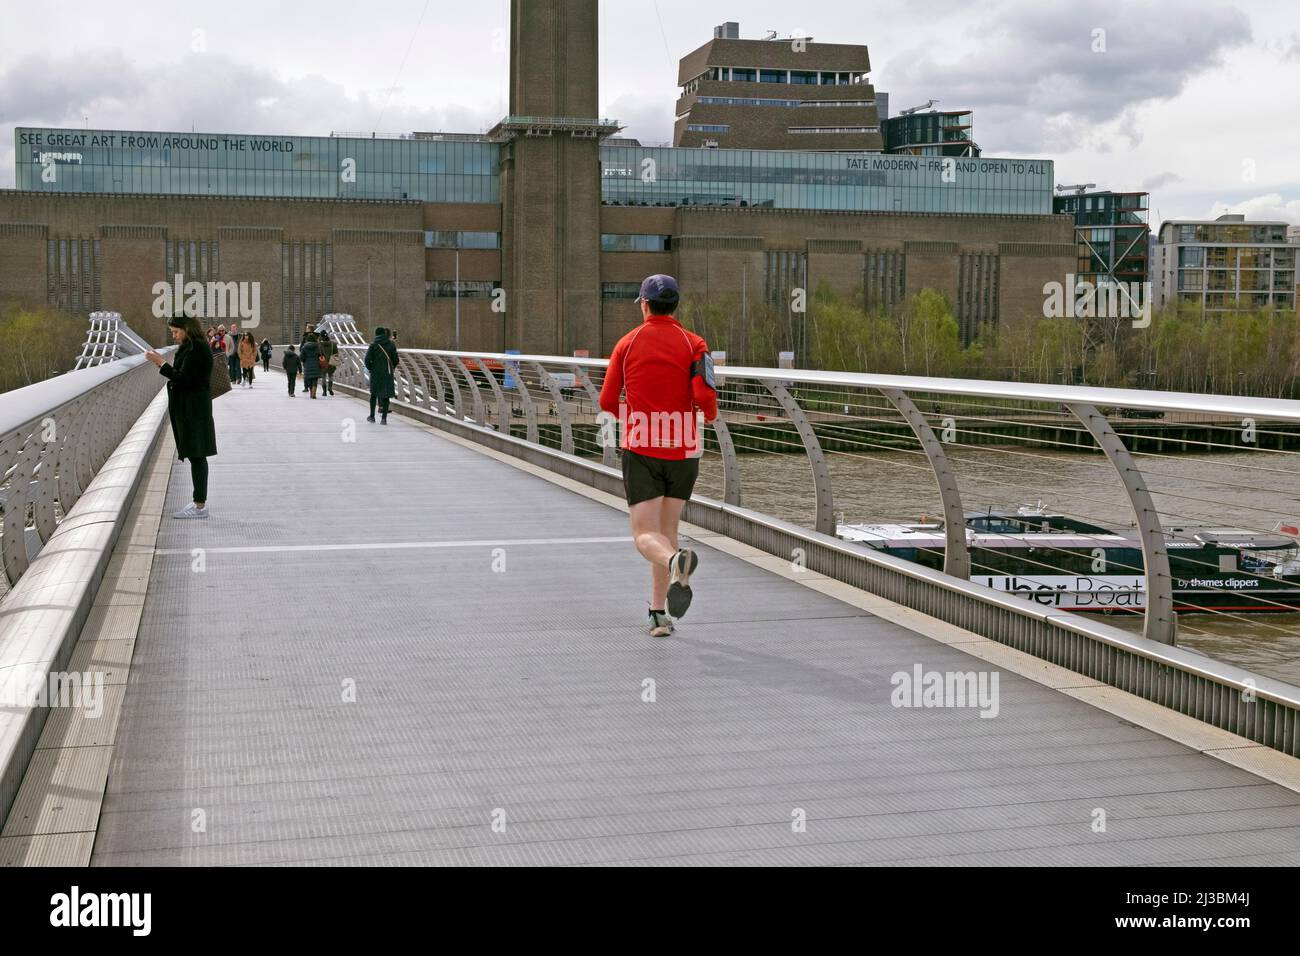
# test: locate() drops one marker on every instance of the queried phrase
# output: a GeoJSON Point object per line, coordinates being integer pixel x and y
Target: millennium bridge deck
{"type": "Point", "coordinates": [403, 650]}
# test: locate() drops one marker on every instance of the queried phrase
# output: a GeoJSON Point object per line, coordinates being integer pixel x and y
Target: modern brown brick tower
{"type": "Point", "coordinates": [550, 179]}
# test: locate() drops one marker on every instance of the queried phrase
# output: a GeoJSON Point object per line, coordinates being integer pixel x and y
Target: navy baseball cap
{"type": "Point", "coordinates": [661, 289]}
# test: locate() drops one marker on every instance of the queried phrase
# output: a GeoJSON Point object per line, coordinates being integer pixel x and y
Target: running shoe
{"type": "Point", "coordinates": [191, 511]}
{"type": "Point", "coordinates": [661, 625]}
{"type": "Point", "coordinates": [680, 569]}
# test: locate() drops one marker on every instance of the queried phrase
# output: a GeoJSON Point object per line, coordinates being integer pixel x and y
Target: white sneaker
{"type": "Point", "coordinates": [661, 625]}
{"type": "Point", "coordinates": [191, 511]}
{"type": "Point", "coordinates": [680, 569]}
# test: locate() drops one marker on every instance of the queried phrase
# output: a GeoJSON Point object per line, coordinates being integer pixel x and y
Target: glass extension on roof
{"type": "Point", "coordinates": [786, 179]}
{"type": "Point", "coordinates": [226, 164]}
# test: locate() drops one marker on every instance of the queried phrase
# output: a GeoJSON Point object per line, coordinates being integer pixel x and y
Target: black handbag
{"type": "Point", "coordinates": [219, 380]}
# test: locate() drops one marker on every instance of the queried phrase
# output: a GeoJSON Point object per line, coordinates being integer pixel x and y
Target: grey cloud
{"type": "Point", "coordinates": [60, 89]}
{"type": "Point", "coordinates": [1034, 64]}
{"type": "Point", "coordinates": [1163, 179]}
{"type": "Point", "coordinates": [1272, 206]}
{"type": "Point", "coordinates": [646, 118]}
{"type": "Point", "coordinates": [1288, 48]}
{"type": "Point", "coordinates": [209, 92]}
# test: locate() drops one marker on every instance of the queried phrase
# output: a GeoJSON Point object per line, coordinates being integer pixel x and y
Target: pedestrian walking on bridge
{"type": "Point", "coordinates": [310, 363]}
{"type": "Point", "coordinates": [328, 361]}
{"type": "Point", "coordinates": [232, 353]}
{"type": "Point", "coordinates": [291, 363]}
{"type": "Point", "coordinates": [381, 363]}
{"type": "Point", "coordinates": [247, 357]}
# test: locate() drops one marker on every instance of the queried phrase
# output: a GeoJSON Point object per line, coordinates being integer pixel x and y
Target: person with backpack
{"type": "Point", "coordinates": [265, 350]}
{"type": "Point", "coordinates": [381, 363]}
{"type": "Point", "coordinates": [291, 363]}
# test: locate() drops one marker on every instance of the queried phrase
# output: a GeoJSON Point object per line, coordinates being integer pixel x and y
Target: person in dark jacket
{"type": "Point", "coordinates": [291, 363]}
{"type": "Point", "coordinates": [328, 350]}
{"type": "Point", "coordinates": [232, 354]}
{"type": "Point", "coordinates": [381, 363]}
{"type": "Point", "coordinates": [189, 406]}
{"type": "Point", "coordinates": [265, 351]}
{"type": "Point", "coordinates": [310, 363]}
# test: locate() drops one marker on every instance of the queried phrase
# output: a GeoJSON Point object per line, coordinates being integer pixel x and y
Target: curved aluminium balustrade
{"type": "Point", "coordinates": [54, 436]}
{"type": "Point", "coordinates": [508, 377]}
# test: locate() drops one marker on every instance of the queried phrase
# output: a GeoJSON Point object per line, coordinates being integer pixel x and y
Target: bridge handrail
{"type": "Point", "coordinates": [1235, 405]}
{"type": "Point", "coordinates": [21, 406]}
{"type": "Point", "coordinates": [54, 437]}
{"type": "Point", "coordinates": [75, 462]}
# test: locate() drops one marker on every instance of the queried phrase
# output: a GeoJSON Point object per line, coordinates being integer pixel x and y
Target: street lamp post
{"type": "Point", "coordinates": [457, 290]}
{"type": "Point", "coordinates": [803, 344]}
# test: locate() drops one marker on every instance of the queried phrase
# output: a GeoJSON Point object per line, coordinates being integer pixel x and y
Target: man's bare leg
{"type": "Point", "coordinates": [670, 516]}
{"type": "Point", "coordinates": [648, 519]}
{"type": "Point", "coordinates": [654, 529]}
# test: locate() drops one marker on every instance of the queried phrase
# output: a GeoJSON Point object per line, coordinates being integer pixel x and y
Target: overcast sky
{"type": "Point", "coordinates": [1197, 101]}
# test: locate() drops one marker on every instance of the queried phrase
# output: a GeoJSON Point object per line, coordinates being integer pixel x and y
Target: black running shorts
{"type": "Point", "coordinates": [645, 477]}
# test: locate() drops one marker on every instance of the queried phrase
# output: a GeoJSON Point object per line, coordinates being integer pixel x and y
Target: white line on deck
{"type": "Point", "coordinates": [396, 545]}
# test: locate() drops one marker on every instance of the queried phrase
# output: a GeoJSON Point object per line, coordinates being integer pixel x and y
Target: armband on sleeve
{"type": "Point", "coordinates": [703, 368]}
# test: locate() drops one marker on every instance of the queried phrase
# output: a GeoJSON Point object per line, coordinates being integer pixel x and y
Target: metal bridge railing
{"type": "Point", "coordinates": [799, 457]}
{"type": "Point", "coordinates": [54, 436]}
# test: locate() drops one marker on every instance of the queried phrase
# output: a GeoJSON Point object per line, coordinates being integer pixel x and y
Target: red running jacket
{"type": "Point", "coordinates": [667, 373]}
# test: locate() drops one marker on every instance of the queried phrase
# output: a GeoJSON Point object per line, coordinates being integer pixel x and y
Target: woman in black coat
{"type": "Point", "coordinates": [189, 405]}
{"type": "Point", "coordinates": [381, 363]}
{"type": "Point", "coordinates": [311, 362]}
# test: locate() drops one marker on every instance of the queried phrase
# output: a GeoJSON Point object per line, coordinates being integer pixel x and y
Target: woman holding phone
{"type": "Point", "coordinates": [189, 405]}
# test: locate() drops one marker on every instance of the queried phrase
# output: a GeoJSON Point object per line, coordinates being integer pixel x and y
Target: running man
{"type": "Point", "coordinates": [667, 373]}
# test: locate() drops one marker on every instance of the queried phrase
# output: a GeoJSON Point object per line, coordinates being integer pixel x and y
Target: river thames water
{"type": "Point", "coordinates": [1251, 490]}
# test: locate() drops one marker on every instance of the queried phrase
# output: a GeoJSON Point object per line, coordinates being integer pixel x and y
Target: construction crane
{"type": "Point", "coordinates": [917, 109]}
{"type": "Point", "coordinates": [1079, 188]}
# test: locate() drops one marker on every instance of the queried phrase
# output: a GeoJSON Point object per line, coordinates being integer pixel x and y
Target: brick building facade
{"type": "Point", "coordinates": [570, 225]}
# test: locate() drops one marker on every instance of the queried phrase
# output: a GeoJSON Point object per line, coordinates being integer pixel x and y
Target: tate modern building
{"type": "Point", "coordinates": [536, 234]}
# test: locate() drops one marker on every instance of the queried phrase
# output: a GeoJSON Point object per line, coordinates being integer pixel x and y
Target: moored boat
{"type": "Point", "coordinates": [1061, 562]}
